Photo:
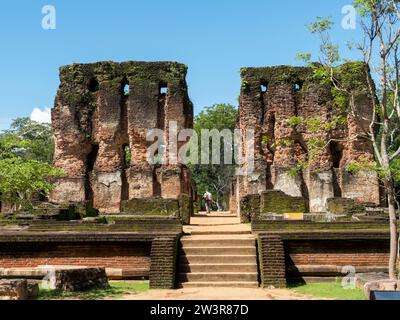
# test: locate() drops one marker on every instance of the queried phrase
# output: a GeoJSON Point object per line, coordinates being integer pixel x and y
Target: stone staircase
{"type": "Point", "coordinates": [218, 259]}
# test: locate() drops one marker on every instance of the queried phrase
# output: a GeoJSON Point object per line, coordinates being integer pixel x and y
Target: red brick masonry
{"type": "Point", "coordinates": [340, 253]}
{"type": "Point", "coordinates": [127, 256]}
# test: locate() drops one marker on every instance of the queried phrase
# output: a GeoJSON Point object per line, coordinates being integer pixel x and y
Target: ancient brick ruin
{"type": "Point", "coordinates": [101, 117]}
{"type": "Point", "coordinates": [269, 97]}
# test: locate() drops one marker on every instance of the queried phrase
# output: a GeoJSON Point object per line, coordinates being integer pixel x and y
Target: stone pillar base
{"type": "Point", "coordinates": [320, 190]}
{"type": "Point", "coordinates": [140, 182]}
{"type": "Point", "coordinates": [292, 186]}
{"type": "Point", "coordinates": [107, 191]}
{"type": "Point", "coordinates": [68, 190]}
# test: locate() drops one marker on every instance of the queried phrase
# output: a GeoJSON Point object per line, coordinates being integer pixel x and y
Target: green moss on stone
{"type": "Point", "coordinates": [249, 208]}
{"type": "Point", "coordinates": [275, 201]}
{"type": "Point", "coordinates": [185, 208]}
{"type": "Point", "coordinates": [151, 207]}
{"type": "Point", "coordinates": [344, 206]}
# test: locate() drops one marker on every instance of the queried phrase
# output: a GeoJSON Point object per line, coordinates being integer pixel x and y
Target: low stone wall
{"type": "Point", "coordinates": [154, 224]}
{"type": "Point", "coordinates": [132, 258]}
{"type": "Point", "coordinates": [260, 225]}
{"type": "Point", "coordinates": [272, 201]}
{"type": "Point", "coordinates": [318, 255]}
{"type": "Point", "coordinates": [137, 255]}
{"type": "Point", "coordinates": [181, 208]}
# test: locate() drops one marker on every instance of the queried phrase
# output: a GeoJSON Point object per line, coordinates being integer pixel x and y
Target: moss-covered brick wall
{"type": "Point", "coordinates": [249, 208]}
{"type": "Point", "coordinates": [262, 225]}
{"type": "Point", "coordinates": [110, 224]}
{"type": "Point", "coordinates": [151, 207]}
{"type": "Point", "coordinates": [274, 201]}
{"type": "Point", "coordinates": [102, 114]}
{"type": "Point", "coordinates": [186, 209]}
{"type": "Point", "coordinates": [344, 206]}
{"type": "Point", "coordinates": [293, 109]}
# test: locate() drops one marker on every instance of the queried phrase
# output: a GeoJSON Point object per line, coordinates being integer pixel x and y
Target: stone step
{"type": "Point", "coordinates": [215, 284]}
{"type": "Point", "coordinates": [216, 232]}
{"type": "Point", "coordinates": [219, 267]}
{"type": "Point", "coordinates": [216, 242]}
{"type": "Point", "coordinates": [218, 277]}
{"type": "Point", "coordinates": [204, 259]}
{"type": "Point", "coordinates": [251, 250]}
{"type": "Point", "coordinates": [215, 215]}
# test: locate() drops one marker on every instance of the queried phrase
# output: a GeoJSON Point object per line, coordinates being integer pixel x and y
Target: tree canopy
{"type": "Point", "coordinates": [26, 152]}
{"type": "Point", "coordinates": [215, 178]}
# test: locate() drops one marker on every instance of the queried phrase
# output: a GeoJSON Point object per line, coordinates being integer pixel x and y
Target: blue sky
{"type": "Point", "coordinates": [214, 38]}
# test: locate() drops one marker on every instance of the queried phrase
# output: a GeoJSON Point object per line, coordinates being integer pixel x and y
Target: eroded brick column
{"type": "Point", "coordinates": [72, 110]}
{"type": "Point", "coordinates": [106, 178]}
{"type": "Point", "coordinates": [319, 176]}
{"type": "Point", "coordinates": [283, 98]}
{"type": "Point", "coordinates": [142, 116]}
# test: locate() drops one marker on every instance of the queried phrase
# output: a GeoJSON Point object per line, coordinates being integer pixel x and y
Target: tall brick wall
{"type": "Point", "coordinates": [103, 112]}
{"type": "Point", "coordinates": [269, 97]}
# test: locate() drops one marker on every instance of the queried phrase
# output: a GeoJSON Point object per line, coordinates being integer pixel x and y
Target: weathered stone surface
{"type": "Point", "coordinates": [273, 201]}
{"type": "Point", "coordinates": [33, 290]}
{"type": "Point", "coordinates": [363, 278]}
{"type": "Point", "coordinates": [103, 112]}
{"type": "Point", "coordinates": [14, 290]}
{"type": "Point", "coordinates": [249, 208]}
{"type": "Point", "coordinates": [76, 279]}
{"type": "Point", "coordinates": [381, 285]}
{"type": "Point", "coordinates": [344, 206]}
{"type": "Point", "coordinates": [269, 97]}
{"type": "Point", "coordinates": [151, 207]}
{"type": "Point", "coordinates": [321, 189]}
{"type": "Point", "coordinates": [185, 209]}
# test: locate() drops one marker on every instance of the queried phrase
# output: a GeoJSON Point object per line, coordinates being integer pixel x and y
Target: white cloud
{"type": "Point", "coordinates": [41, 116]}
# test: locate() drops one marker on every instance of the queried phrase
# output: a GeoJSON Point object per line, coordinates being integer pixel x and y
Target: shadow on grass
{"type": "Point", "coordinates": [117, 289]}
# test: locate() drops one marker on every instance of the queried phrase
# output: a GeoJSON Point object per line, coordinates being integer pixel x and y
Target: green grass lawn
{"type": "Point", "coordinates": [116, 290]}
{"type": "Point", "coordinates": [330, 290]}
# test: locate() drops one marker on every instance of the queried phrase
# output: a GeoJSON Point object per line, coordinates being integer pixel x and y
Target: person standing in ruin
{"type": "Point", "coordinates": [208, 200]}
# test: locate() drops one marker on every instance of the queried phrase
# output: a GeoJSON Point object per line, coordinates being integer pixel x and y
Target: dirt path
{"type": "Point", "coordinates": [219, 294]}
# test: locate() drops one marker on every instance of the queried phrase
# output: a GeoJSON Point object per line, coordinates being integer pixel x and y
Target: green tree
{"type": "Point", "coordinates": [36, 138]}
{"type": "Point", "coordinates": [215, 178]}
{"type": "Point", "coordinates": [379, 49]}
{"type": "Point", "coordinates": [26, 152]}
